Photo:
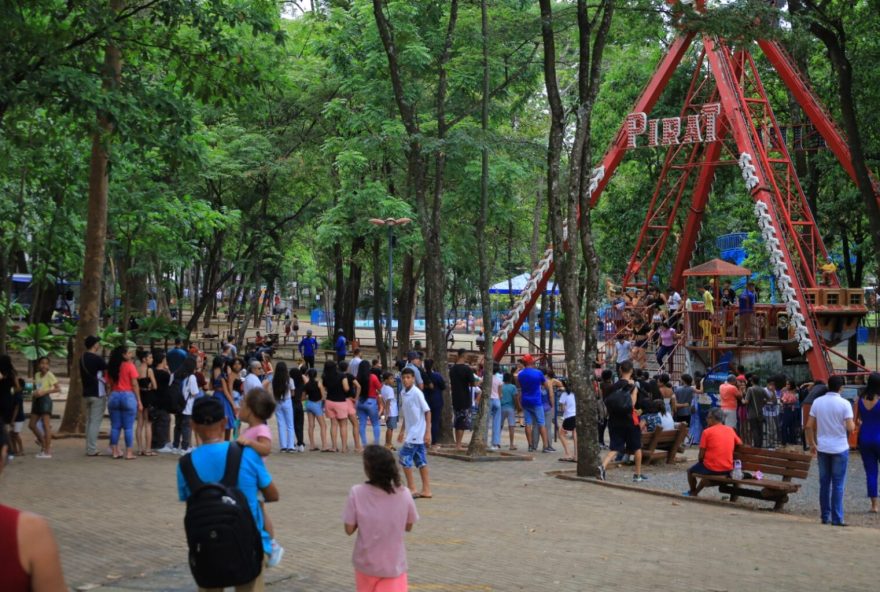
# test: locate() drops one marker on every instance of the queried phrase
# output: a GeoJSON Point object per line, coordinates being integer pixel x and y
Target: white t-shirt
{"type": "Point", "coordinates": [674, 301]}
{"type": "Point", "coordinates": [251, 381]}
{"type": "Point", "coordinates": [831, 412]}
{"type": "Point", "coordinates": [353, 365]}
{"type": "Point", "coordinates": [414, 409]}
{"type": "Point", "coordinates": [497, 383]}
{"type": "Point", "coordinates": [666, 421]}
{"type": "Point", "coordinates": [623, 350]}
{"type": "Point", "coordinates": [567, 399]}
{"type": "Point", "coordinates": [387, 394]}
{"type": "Point", "coordinates": [475, 392]}
{"type": "Point", "coordinates": [190, 390]}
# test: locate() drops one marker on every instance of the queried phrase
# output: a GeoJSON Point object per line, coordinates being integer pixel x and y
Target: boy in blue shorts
{"type": "Point", "coordinates": [416, 419]}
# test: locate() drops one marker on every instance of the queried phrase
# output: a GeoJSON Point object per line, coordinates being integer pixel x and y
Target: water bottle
{"type": "Point", "coordinates": [737, 470]}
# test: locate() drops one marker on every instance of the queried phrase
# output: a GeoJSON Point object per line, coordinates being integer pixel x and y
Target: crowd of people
{"type": "Point", "coordinates": [179, 402]}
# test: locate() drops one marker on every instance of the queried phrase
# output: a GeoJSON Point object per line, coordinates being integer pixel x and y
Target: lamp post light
{"type": "Point", "coordinates": [390, 223]}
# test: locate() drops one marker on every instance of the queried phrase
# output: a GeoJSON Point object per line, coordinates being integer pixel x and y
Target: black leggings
{"type": "Point", "coordinates": [298, 419]}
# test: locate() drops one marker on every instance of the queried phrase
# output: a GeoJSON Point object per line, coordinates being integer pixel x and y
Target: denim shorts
{"type": "Point", "coordinates": [391, 423]}
{"type": "Point", "coordinates": [508, 413]}
{"type": "Point", "coordinates": [315, 408]}
{"type": "Point", "coordinates": [413, 454]}
{"type": "Point", "coordinates": [534, 413]}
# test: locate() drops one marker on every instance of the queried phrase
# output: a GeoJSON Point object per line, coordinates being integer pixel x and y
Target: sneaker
{"type": "Point", "coordinates": [184, 451]}
{"type": "Point", "coordinates": [639, 478]}
{"type": "Point", "coordinates": [549, 449]}
{"type": "Point", "coordinates": [494, 448]}
{"type": "Point", "coordinates": [531, 448]}
{"type": "Point", "coordinates": [277, 554]}
{"type": "Point", "coordinates": [602, 473]}
{"type": "Point", "coordinates": [301, 448]}
{"type": "Point", "coordinates": [167, 449]}
{"type": "Point", "coordinates": [43, 455]}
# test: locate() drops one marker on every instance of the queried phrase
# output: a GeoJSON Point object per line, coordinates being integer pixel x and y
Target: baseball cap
{"type": "Point", "coordinates": [527, 359]}
{"type": "Point", "coordinates": [207, 411]}
{"type": "Point", "coordinates": [412, 355]}
{"type": "Point", "coordinates": [308, 331]}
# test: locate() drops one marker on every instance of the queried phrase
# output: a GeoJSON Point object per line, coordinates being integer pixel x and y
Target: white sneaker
{"type": "Point", "coordinates": [494, 448]}
{"type": "Point", "coordinates": [301, 448]}
{"type": "Point", "coordinates": [167, 449]}
{"type": "Point", "coordinates": [277, 554]}
{"type": "Point", "coordinates": [43, 455]}
{"type": "Point", "coordinates": [184, 451]}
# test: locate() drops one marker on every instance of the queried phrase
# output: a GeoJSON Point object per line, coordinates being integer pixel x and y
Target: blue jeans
{"type": "Point", "coordinates": [495, 419]}
{"type": "Point", "coordinates": [368, 408]}
{"type": "Point", "coordinates": [123, 410]}
{"type": "Point", "coordinates": [870, 452]}
{"type": "Point", "coordinates": [284, 413]}
{"type": "Point", "coordinates": [832, 482]}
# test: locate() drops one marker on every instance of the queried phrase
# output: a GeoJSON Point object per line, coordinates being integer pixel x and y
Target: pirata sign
{"type": "Point", "coordinates": [701, 127]}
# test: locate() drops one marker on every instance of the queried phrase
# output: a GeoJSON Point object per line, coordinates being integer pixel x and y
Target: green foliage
{"type": "Point", "coordinates": [37, 340]}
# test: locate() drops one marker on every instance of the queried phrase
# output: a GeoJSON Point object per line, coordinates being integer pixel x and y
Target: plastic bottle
{"type": "Point", "coordinates": [737, 470]}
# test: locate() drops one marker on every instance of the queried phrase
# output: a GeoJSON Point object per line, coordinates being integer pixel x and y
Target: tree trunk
{"type": "Point", "coordinates": [477, 446]}
{"type": "Point", "coordinates": [406, 296]}
{"type": "Point", "coordinates": [351, 297]}
{"type": "Point", "coordinates": [533, 259]}
{"type": "Point", "coordinates": [568, 209]}
{"type": "Point", "coordinates": [96, 234]}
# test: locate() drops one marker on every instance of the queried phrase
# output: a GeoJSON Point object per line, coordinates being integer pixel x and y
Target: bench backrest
{"type": "Point", "coordinates": [787, 465]}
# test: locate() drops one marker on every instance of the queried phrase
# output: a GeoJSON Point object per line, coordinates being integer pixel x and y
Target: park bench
{"type": "Point", "coordinates": [661, 444]}
{"type": "Point", "coordinates": [329, 354]}
{"type": "Point", "coordinates": [788, 465]}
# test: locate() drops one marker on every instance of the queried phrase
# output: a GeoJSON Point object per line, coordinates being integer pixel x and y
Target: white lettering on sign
{"type": "Point", "coordinates": [667, 131]}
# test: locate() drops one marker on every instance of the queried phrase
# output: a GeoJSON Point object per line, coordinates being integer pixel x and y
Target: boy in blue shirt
{"type": "Point", "coordinates": [307, 348]}
{"type": "Point", "coordinates": [209, 460]}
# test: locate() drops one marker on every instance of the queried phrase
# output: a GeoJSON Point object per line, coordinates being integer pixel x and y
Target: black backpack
{"type": "Point", "coordinates": [225, 546]}
{"type": "Point", "coordinates": [619, 402]}
{"type": "Point", "coordinates": [175, 398]}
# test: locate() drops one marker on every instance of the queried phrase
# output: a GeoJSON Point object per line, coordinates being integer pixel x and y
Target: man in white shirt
{"type": "Point", "coordinates": [416, 419]}
{"type": "Point", "coordinates": [830, 423]}
{"type": "Point", "coordinates": [355, 362]}
{"type": "Point", "coordinates": [495, 408]}
{"type": "Point", "coordinates": [254, 378]}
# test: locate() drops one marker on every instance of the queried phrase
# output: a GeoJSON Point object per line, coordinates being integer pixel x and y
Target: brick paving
{"type": "Point", "coordinates": [491, 526]}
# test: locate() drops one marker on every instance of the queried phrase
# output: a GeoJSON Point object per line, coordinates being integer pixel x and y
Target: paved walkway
{"type": "Point", "coordinates": [491, 526]}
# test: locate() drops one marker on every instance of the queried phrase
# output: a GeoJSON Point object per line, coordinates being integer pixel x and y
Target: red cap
{"type": "Point", "coordinates": [527, 359]}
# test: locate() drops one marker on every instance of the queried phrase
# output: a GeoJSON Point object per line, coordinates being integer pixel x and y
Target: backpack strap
{"type": "Point", "coordinates": [233, 463]}
{"type": "Point", "coordinates": [189, 473]}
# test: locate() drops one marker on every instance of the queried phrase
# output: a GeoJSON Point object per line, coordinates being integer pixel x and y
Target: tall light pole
{"type": "Point", "coordinates": [390, 223]}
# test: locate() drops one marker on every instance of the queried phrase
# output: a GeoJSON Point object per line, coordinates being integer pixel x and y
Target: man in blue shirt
{"type": "Point", "coordinates": [209, 460]}
{"type": "Point", "coordinates": [307, 348]}
{"type": "Point", "coordinates": [175, 356]}
{"type": "Point", "coordinates": [340, 346]}
{"type": "Point", "coordinates": [530, 381]}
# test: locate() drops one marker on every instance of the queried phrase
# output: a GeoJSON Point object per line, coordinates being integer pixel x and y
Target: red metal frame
{"type": "Point", "coordinates": [747, 130]}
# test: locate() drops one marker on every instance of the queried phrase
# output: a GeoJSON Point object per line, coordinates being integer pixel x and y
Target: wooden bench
{"type": "Point", "coordinates": [788, 465]}
{"type": "Point", "coordinates": [329, 354]}
{"type": "Point", "coordinates": [661, 444]}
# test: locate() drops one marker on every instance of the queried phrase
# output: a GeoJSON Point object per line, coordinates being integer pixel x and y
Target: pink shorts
{"type": "Point", "coordinates": [365, 583]}
{"type": "Point", "coordinates": [337, 410]}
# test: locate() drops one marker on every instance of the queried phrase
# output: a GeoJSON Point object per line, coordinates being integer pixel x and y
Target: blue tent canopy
{"type": "Point", "coordinates": [515, 285]}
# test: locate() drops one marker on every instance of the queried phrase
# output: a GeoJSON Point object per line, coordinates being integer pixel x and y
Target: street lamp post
{"type": "Point", "coordinates": [390, 223]}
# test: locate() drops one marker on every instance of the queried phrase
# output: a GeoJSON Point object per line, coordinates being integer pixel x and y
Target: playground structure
{"type": "Point", "coordinates": [727, 120]}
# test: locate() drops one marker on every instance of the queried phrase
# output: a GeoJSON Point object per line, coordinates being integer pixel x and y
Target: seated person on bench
{"type": "Point", "coordinates": [716, 450]}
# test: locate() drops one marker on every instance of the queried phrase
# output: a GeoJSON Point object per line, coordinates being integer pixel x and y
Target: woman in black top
{"type": "Point", "coordinates": [296, 376]}
{"type": "Point", "coordinates": [354, 393]}
{"type": "Point", "coordinates": [162, 403]}
{"type": "Point", "coordinates": [315, 408]}
{"type": "Point", "coordinates": [336, 386]}
{"type": "Point", "coordinates": [147, 384]}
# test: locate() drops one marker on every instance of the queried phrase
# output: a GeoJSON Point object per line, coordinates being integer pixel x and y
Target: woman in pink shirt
{"type": "Point", "coordinates": [380, 510]}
